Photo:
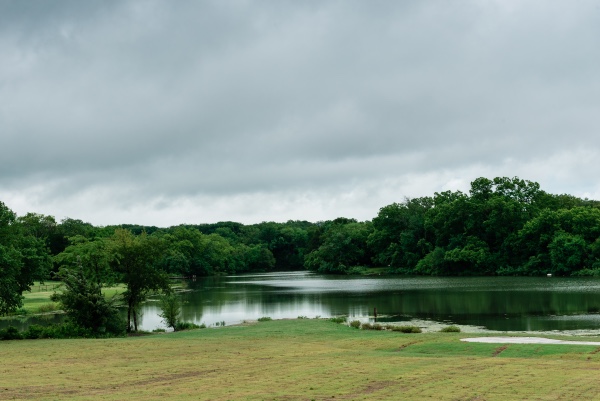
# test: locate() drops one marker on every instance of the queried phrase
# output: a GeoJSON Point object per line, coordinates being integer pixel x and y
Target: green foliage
{"type": "Point", "coordinates": [377, 326]}
{"type": "Point", "coordinates": [180, 326]}
{"type": "Point", "coordinates": [344, 246]}
{"type": "Point", "coordinates": [501, 226]}
{"type": "Point", "coordinates": [136, 263]}
{"type": "Point", "coordinates": [355, 324]}
{"type": "Point", "coordinates": [47, 307]}
{"type": "Point", "coordinates": [264, 319]}
{"type": "Point", "coordinates": [85, 305]}
{"type": "Point", "coordinates": [171, 309]}
{"type": "Point", "coordinates": [94, 256]}
{"type": "Point", "coordinates": [450, 329]}
{"type": "Point", "coordinates": [10, 333]}
{"type": "Point", "coordinates": [58, 331]}
{"type": "Point", "coordinates": [399, 238]}
{"type": "Point", "coordinates": [407, 329]}
{"type": "Point", "coordinates": [23, 258]}
{"type": "Point", "coordinates": [34, 331]}
{"type": "Point", "coordinates": [338, 319]}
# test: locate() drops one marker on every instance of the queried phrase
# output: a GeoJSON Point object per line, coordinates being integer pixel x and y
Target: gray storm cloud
{"type": "Point", "coordinates": [164, 112]}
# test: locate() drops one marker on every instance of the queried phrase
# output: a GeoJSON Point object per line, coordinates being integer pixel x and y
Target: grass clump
{"type": "Point", "coordinates": [187, 326]}
{"type": "Point", "coordinates": [339, 319]}
{"type": "Point", "coordinates": [366, 326]}
{"type": "Point", "coordinates": [407, 329]}
{"type": "Point", "coordinates": [450, 329]}
{"type": "Point", "coordinates": [48, 307]}
{"type": "Point", "coordinates": [264, 319]}
{"type": "Point", "coordinates": [373, 326]}
{"type": "Point", "coordinates": [355, 324]}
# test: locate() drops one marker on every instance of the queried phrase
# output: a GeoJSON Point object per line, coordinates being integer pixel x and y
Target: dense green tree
{"type": "Point", "coordinates": [258, 258]}
{"type": "Point", "coordinates": [501, 226]}
{"type": "Point", "coordinates": [399, 238]}
{"type": "Point", "coordinates": [568, 253]}
{"type": "Point", "coordinates": [560, 241]}
{"type": "Point", "coordinates": [93, 256]}
{"type": "Point", "coordinates": [136, 261]}
{"type": "Point", "coordinates": [170, 306]}
{"type": "Point", "coordinates": [85, 304]}
{"type": "Point", "coordinates": [23, 259]}
{"type": "Point", "coordinates": [344, 246]}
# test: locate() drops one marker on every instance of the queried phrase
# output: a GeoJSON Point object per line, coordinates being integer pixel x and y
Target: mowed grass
{"type": "Point", "coordinates": [39, 296]}
{"type": "Point", "coordinates": [295, 360]}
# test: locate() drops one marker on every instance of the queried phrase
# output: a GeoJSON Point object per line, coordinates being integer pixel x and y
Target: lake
{"type": "Point", "coordinates": [493, 303]}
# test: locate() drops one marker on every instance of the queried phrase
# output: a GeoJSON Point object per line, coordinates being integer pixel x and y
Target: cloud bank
{"type": "Point", "coordinates": [158, 112]}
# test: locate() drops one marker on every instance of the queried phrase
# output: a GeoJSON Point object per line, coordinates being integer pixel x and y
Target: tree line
{"type": "Point", "coordinates": [502, 226]}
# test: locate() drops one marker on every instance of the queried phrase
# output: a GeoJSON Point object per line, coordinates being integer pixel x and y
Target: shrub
{"type": "Point", "coordinates": [355, 324]}
{"type": "Point", "coordinates": [159, 330]}
{"type": "Point", "coordinates": [302, 317]}
{"type": "Point", "coordinates": [87, 309]}
{"type": "Point", "coordinates": [450, 329]}
{"type": "Point", "coordinates": [407, 329]}
{"type": "Point", "coordinates": [264, 319]}
{"type": "Point", "coordinates": [366, 326]}
{"type": "Point", "coordinates": [10, 333]}
{"type": "Point", "coordinates": [339, 319]}
{"type": "Point", "coordinates": [186, 326]}
{"type": "Point", "coordinates": [34, 331]}
{"type": "Point", "coordinates": [377, 326]}
{"type": "Point", "coordinates": [48, 307]}
{"type": "Point", "coordinates": [171, 309]}
{"type": "Point", "coordinates": [68, 330]}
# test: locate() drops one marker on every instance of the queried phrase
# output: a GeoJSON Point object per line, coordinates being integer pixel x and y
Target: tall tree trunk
{"type": "Point", "coordinates": [135, 319]}
{"type": "Point", "coordinates": [129, 306]}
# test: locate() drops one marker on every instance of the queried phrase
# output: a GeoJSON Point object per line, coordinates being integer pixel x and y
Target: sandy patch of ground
{"type": "Point", "coordinates": [429, 326]}
{"type": "Point", "coordinates": [526, 340]}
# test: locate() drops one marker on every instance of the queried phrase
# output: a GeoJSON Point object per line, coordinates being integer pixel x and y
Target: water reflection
{"type": "Point", "coordinates": [496, 303]}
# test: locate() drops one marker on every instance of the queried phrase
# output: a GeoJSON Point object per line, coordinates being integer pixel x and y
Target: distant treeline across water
{"type": "Point", "coordinates": [502, 226]}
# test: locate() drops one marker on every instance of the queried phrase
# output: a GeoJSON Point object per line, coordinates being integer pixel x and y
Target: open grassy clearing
{"type": "Point", "coordinates": [296, 360]}
{"type": "Point", "coordinates": [38, 299]}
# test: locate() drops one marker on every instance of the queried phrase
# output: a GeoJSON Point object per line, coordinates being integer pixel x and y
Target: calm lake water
{"type": "Point", "coordinates": [494, 303]}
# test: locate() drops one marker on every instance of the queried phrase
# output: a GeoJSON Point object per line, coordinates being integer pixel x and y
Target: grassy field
{"type": "Point", "coordinates": [38, 299]}
{"type": "Point", "coordinates": [296, 360]}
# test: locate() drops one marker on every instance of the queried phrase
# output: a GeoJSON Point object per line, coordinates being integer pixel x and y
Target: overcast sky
{"type": "Point", "coordinates": [170, 112]}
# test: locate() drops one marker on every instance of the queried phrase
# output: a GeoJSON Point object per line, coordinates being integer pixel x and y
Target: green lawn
{"type": "Point", "coordinates": [40, 294]}
{"type": "Point", "coordinates": [296, 360]}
